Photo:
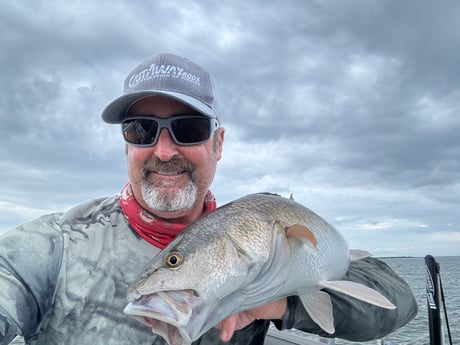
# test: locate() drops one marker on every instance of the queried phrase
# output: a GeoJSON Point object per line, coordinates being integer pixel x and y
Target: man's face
{"type": "Point", "coordinates": [168, 179]}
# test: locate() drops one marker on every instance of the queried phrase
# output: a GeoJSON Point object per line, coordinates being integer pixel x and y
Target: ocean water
{"type": "Point", "coordinates": [416, 331]}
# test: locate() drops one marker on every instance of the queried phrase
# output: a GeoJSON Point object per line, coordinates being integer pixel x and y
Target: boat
{"type": "Point", "coordinates": [276, 337]}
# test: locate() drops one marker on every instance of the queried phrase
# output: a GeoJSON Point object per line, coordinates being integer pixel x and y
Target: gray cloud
{"type": "Point", "coordinates": [352, 106]}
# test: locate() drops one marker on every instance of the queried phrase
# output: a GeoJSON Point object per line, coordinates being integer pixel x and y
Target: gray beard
{"type": "Point", "coordinates": [167, 202]}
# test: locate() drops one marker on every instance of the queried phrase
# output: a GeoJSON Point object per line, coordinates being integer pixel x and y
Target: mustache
{"type": "Point", "coordinates": [175, 164]}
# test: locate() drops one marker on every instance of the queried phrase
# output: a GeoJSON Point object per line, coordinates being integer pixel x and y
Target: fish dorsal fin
{"type": "Point", "coordinates": [302, 233]}
{"type": "Point", "coordinates": [358, 254]}
{"type": "Point", "coordinates": [359, 291]}
{"type": "Point", "coordinates": [319, 306]}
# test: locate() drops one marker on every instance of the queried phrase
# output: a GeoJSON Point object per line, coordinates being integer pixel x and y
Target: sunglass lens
{"type": "Point", "coordinates": [140, 131]}
{"type": "Point", "coordinates": [192, 130]}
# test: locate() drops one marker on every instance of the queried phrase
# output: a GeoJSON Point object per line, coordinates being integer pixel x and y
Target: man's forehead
{"type": "Point", "coordinates": [159, 105]}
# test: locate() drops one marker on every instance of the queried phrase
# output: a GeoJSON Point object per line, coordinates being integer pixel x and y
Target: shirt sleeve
{"type": "Point", "coordinates": [356, 320]}
{"type": "Point", "coordinates": [252, 334]}
{"type": "Point", "coordinates": [30, 257]}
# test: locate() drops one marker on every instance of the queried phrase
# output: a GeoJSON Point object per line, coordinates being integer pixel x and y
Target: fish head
{"type": "Point", "coordinates": [182, 293]}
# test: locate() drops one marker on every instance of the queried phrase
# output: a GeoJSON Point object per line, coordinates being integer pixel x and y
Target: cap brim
{"type": "Point", "coordinates": [116, 111]}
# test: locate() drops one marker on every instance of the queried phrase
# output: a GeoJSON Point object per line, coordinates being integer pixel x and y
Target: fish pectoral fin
{"type": "Point", "coordinates": [359, 291]}
{"type": "Point", "coordinates": [358, 254]}
{"type": "Point", "coordinates": [302, 233]}
{"type": "Point", "coordinates": [319, 306]}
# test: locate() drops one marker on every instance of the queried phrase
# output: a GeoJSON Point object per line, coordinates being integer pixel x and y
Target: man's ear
{"type": "Point", "coordinates": [219, 142]}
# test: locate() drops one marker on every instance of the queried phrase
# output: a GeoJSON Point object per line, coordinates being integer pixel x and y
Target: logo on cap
{"type": "Point", "coordinates": [162, 71]}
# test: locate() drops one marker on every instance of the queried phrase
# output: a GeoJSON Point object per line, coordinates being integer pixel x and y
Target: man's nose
{"type": "Point", "coordinates": [165, 148]}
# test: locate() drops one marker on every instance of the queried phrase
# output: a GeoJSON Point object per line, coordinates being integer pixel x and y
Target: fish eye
{"type": "Point", "coordinates": [174, 259]}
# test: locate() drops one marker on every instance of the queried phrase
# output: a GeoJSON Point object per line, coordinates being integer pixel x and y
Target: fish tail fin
{"type": "Point", "coordinates": [359, 291]}
{"type": "Point", "coordinates": [319, 306]}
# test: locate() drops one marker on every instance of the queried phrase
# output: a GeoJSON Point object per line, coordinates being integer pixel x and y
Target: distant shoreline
{"type": "Point", "coordinates": [397, 257]}
{"type": "Point", "coordinates": [416, 257]}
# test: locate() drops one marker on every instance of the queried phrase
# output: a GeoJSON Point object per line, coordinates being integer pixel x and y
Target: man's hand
{"type": "Point", "coordinates": [271, 311]}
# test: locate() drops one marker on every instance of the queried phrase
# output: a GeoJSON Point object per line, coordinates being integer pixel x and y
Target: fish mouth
{"type": "Point", "coordinates": [167, 313]}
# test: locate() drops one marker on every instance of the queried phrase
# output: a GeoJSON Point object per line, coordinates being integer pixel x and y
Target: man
{"type": "Point", "coordinates": [63, 277]}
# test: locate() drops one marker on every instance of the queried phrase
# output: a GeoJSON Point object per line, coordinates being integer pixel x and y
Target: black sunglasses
{"type": "Point", "coordinates": [185, 130]}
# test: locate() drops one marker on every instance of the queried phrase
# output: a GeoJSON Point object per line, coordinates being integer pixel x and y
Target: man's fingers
{"type": "Point", "coordinates": [227, 327]}
{"type": "Point", "coordinates": [272, 310]}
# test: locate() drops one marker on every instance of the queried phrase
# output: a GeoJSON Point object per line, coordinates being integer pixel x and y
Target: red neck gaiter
{"type": "Point", "coordinates": [151, 229]}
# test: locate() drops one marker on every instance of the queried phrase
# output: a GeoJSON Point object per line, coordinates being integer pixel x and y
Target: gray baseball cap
{"type": "Point", "coordinates": [167, 75]}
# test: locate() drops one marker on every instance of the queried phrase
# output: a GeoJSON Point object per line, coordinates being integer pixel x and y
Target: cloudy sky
{"type": "Point", "coordinates": [352, 106]}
